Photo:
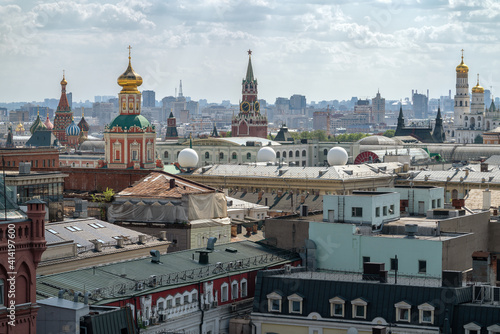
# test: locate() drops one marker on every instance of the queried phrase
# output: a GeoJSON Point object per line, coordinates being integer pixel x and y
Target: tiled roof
{"type": "Point", "coordinates": [157, 185]}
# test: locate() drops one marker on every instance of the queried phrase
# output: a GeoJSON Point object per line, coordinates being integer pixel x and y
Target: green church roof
{"type": "Point", "coordinates": [128, 121]}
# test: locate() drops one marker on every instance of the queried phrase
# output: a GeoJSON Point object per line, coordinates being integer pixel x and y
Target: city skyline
{"type": "Point", "coordinates": [308, 48]}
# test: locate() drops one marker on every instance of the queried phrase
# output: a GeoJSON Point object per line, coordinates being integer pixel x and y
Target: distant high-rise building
{"type": "Point", "coordinates": [70, 100]}
{"type": "Point", "coordinates": [97, 98]}
{"type": "Point", "coordinates": [487, 97]}
{"type": "Point", "coordinates": [420, 105]}
{"type": "Point", "coordinates": [298, 104]}
{"type": "Point", "coordinates": [148, 99]}
{"type": "Point", "coordinates": [378, 109]}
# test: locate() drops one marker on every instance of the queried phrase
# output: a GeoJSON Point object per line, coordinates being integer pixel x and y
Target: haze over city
{"type": "Point", "coordinates": [311, 48]}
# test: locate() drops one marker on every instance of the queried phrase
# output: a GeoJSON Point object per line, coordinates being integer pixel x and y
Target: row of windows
{"type": "Point", "coordinates": [235, 290]}
{"type": "Point", "coordinates": [234, 155]}
{"type": "Point", "coordinates": [385, 211]}
{"type": "Point", "coordinates": [359, 308]}
{"type": "Point", "coordinates": [34, 163]}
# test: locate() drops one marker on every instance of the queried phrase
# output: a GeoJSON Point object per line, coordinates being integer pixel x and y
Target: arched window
{"type": "Point", "coordinates": [221, 155]}
{"type": "Point", "coordinates": [178, 153]}
{"type": "Point", "coordinates": [207, 155]}
{"type": "Point", "coordinates": [165, 155]}
{"type": "Point", "coordinates": [249, 156]}
{"type": "Point", "coordinates": [297, 153]}
{"type": "Point", "coordinates": [460, 103]}
{"type": "Point", "coordinates": [284, 154]}
{"type": "Point", "coordinates": [454, 194]}
{"type": "Point", "coordinates": [304, 153]}
{"type": "Point", "coordinates": [290, 154]}
{"type": "Point", "coordinates": [325, 151]}
{"type": "Point", "coordinates": [466, 103]}
{"type": "Point", "coordinates": [235, 156]}
{"type": "Point", "coordinates": [278, 155]}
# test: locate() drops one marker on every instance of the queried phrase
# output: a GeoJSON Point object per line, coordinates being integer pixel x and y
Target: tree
{"type": "Point", "coordinates": [106, 197]}
{"type": "Point", "coordinates": [478, 139]}
{"type": "Point", "coordinates": [389, 133]}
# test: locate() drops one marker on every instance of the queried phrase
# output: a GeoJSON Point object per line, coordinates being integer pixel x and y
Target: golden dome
{"type": "Point", "coordinates": [129, 80]}
{"type": "Point", "coordinates": [462, 68]}
{"type": "Point", "coordinates": [63, 81]}
{"type": "Point", "coordinates": [477, 88]}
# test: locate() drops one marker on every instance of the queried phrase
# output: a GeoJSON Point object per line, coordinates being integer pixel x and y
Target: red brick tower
{"type": "Point", "coordinates": [64, 115]}
{"type": "Point", "coordinates": [249, 121]}
{"type": "Point", "coordinates": [21, 246]}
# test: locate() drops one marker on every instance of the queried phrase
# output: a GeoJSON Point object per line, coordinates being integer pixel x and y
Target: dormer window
{"type": "Point", "coordinates": [295, 303]}
{"type": "Point", "coordinates": [403, 311]}
{"type": "Point", "coordinates": [359, 308]}
{"type": "Point", "coordinates": [274, 302]}
{"type": "Point", "coordinates": [426, 313]}
{"type": "Point", "coordinates": [472, 328]}
{"type": "Point", "coordinates": [494, 329]}
{"type": "Point", "coordinates": [337, 307]}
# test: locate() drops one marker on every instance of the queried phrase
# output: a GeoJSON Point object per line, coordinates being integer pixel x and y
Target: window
{"type": "Point", "coordinates": [249, 156]}
{"type": "Point", "coordinates": [290, 154]}
{"type": "Point", "coordinates": [385, 211]}
{"type": "Point", "coordinates": [357, 212]}
{"type": "Point", "coordinates": [472, 328]}
{"type": "Point", "coordinates": [234, 289]}
{"type": "Point", "coordinates": [394, 264]}
{"type": "Point", "coordinates": [295, 303]}
{"type": "Point", "coordinates": [377, 212]}
{"type": "Point", "coordinates": [422, 266]}
{"type": "Point", "coordinates": [186, 299]}
{"type": "Point", "coordinates": [433, 203]}
{"type": "Point", "coordinates": [135, 155]}
{"type": "Point", "coordinates": [207, 155]}
{"type": "Point", "coordinates": [177, 301]}
{"type": "Point", "coordinates": [297, 153]}
{"type": "Point", "coordinates": [2, 288]}
{"type": "Point", "coordinates": [426, 313]}
{"type": "Point", "coordinates": [274, 302]}
{"type": "Point", "coordinates": [439, 202]}
{"type": "Point", "coordinates": [304, 153]}
{"type": "Point", "coordinates": [165, 155]}
{"type": "Point", "coordinates": [278, 154]}
{"type": "Point", "coordinates": [359, 308]}
{"type": "Point", "coordinates": [234, 156]}
{"type": "Point", "coordinates": [169, 303]}
{"type": "Point", "coordinates": [325, 151]}
{"type": "Point", "coordinates": [391, 209]}
{"type": "Point", "coordinates": [403, 310]}
{"type": "Point", "coordinates": [224, 293]}
{"type": "Point", "coordinates": [244, 288]}
{"type": "Point", "coordinates": [493, 329]}
{"type": "Point", "coordinates": [221, 155]}
{"type": "Point", "coordinates": [337, 307]}
{"type": "Point", "coordinates": [284, 154]}
{"type": "Point", "coordinates": [194, 297]}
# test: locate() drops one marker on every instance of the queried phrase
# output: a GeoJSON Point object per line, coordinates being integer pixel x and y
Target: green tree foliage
{"type": "Point", "coordinates": [389, 133]}
{"type": "Point", "coordinates": [478, 139]}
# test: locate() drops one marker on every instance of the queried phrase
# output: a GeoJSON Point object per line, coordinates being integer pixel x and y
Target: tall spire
{"type": "Point", "coordinates": [63, 101]}
{"type": "Point", "coordinates": [249, 76]}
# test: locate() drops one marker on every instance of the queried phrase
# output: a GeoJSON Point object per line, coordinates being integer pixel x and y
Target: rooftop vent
{"type": "Point", "coordinates": [411, 230]}
{"type": "Point", "coordinates": [231, 250]}
{"type": "Point", "coordinates": [323, 172]}
{"type": "Point", "coordinates": [211, 243]}
{"type": "Point", "coordinates": [172, 183]}
{"type": "Point", "coordinates": [155, 256]}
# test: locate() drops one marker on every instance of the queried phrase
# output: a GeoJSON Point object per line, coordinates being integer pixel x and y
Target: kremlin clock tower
{"type": "Point", "coordinates": [130, 139]}
{"type": "Point", "coordinates": [249, 122]}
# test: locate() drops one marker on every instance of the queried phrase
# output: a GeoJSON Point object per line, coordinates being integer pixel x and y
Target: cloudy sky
{"type": "Point", "coordinates": [322, 49]}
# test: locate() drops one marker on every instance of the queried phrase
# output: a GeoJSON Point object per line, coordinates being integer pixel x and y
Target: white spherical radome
{"type": "Point", "coordinates": [337, 156]}
{"type": "Point", "coordinates": [188, 158]}
{"type": "Point", "coordinates": [266, 154]}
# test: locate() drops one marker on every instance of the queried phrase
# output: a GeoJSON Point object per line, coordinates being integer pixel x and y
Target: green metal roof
{"type": "Point", "coordinates": [128, 121]}
{"type": "Point", "coordinates": [118, 281]}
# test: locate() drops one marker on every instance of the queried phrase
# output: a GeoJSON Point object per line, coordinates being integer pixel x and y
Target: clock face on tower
{"type": "Point", "coordinates": [245, 106]}
{"type": "Point", "coordinates": [256, 106]}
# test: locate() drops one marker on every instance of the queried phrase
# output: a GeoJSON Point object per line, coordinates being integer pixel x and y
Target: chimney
{"type": "Point", "coordinates": [172, 183]}
{"type": "Point", "coordinates": [163, 235]}
{"type": "Point", "coordinates": [484, 167]}
{"type": "Point", "coordinates": [98, 246]}
{"type": "Point", "coordinates": [155, 256]}
{"type": "Point", "coordinates": [486, 199]}
{"type": "Point", "coordinates": [142, 239]}
{"type": "Point", "coordinates": [119, 243]}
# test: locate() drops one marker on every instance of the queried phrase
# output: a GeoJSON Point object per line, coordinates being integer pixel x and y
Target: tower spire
{"type": "Point", "coordinates": [180, 89]}
{"type": "Point", "coordinates": [249, 76]}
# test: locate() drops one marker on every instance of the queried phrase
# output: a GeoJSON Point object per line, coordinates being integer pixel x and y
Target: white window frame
{"type": "Point", "coordinates": [295, 298]}
{"type": "Point", "coordinates": [358, 302]}
{"type": "Point", "coordinates": [402, 305]}
{"type": "Point", "coordinates": [224, 295]}
{"type": "Point", "coordinates": [171, 300]}
{"type": "Point", "coordinates": [337, 301]}
{"type": "Point", "coordinates": [425, 307]}
{"type": "Point", "coordinates": [272, 297]}
{"type": "Point", "coordinates": [472, 327]}
{"type": "Point", "coordinates": [244, 287]}
{"type": "Point", "coordinates": [234, 289]}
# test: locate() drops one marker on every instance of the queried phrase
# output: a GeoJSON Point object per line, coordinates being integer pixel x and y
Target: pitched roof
{"type": "Point", "coordinates": [158, 185]}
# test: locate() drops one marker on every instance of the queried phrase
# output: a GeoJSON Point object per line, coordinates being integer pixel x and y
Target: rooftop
{"type": "Point", "coordinates": [158, 185]}
{"type": "Point", "coordinates": [113, 281]}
